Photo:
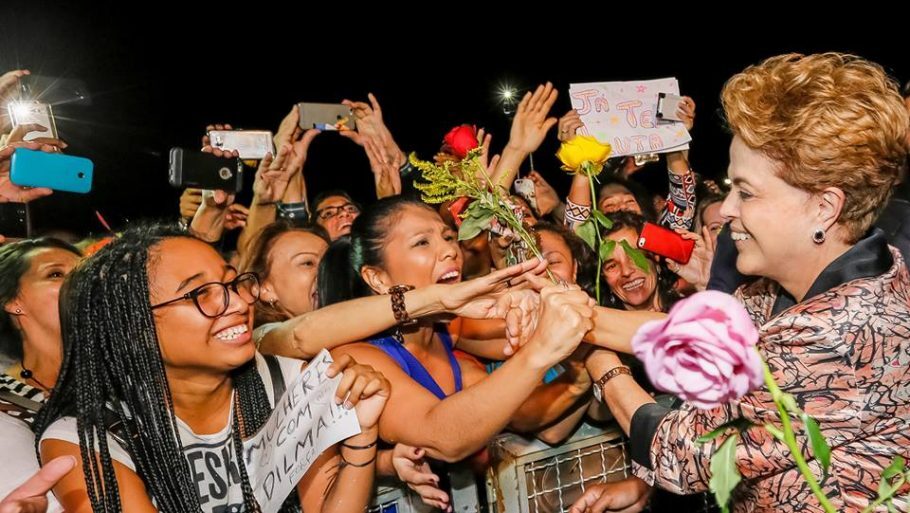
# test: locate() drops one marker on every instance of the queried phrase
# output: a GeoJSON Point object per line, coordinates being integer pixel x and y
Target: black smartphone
{"type": "Point", "coordinates": [14, 221]}
{"type": "Point", "coordinates": [188, 168]}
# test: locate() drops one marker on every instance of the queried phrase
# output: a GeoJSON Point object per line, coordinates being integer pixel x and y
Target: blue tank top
{"type": "Point", "coordinates": [413, 368]}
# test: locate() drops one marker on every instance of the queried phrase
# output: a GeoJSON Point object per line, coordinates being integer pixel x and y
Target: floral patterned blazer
{"type": "Point", "coordinates": [844, 354]}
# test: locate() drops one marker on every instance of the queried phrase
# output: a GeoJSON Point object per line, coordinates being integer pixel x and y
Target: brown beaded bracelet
{"type": "Point", "coordinates": [398, 308]}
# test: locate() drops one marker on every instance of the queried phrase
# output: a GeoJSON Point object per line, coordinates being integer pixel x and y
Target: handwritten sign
{"type": "Point", "coordinates": [623, 115]}
{"type": "Point", "coordinates": [305, 422]}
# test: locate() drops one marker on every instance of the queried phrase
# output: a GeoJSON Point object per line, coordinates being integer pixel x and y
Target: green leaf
{"type": "Point", "coordinates": [474, 223]}
{"type": "Point", "coordinates": [820, 448]}
{"type": "Point", "coordinates": [896, 467]}
{"type": "Point", "coordinates": [637, 256]}
{"type": "Point", "coordinates": [602, 219]}
{"type": "Point", "coordinates": [606, 249]}
{"type": "Point", "coordinates": [724, 472]}
{"type": "Point", "coordinates": [739, 424]}
{"type": "Point", "coordinates": [588, 233]}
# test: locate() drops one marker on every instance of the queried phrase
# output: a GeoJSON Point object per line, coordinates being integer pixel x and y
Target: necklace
{"type": "Point", "coordinates": [27, 374]}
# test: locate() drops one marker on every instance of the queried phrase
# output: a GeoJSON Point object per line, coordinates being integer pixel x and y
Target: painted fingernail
{"type": "Point", "coordinates": [348, 405]}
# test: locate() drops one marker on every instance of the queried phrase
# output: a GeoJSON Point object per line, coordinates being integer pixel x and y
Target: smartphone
{"type": "Point", "coordinates": [666, 243]}
{"type": "Point", "coordinates": [14, 221]}
{"type": "Point", "coordinates": [33, 113]}
{"type": "Point", "coordinates": [54, 90]}
{"type": "Point", "coordinates": [667, 105]}
{"type": "Point", "coordinates": [251, 144]}
{"type": "Point", "coordinates": [33, 168]}
{"type": "Point", "coordinates": [326, 116]}
{"type": "Point", "coordinates": [188, 168]}
{"type": "Point", "coordinates": [525, 188]}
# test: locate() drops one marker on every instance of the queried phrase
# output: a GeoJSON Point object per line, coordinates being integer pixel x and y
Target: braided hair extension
{"type": "Point", "coordinates": [113, 368]}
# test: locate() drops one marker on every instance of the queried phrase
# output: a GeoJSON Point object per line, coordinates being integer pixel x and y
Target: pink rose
{"type": "Point", "coordinates": [704, 351]}
{"type": "Point", "coordinates": [460, 140]}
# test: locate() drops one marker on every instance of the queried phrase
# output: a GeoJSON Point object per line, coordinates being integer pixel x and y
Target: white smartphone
{"type": "Point", "coordinates": [250, 144]}
{"type": "Point", "coordinates": [667, 105]}
{"type": "Point", "coordinates": [33, 113]}
{"type": "Point", "coordinates": [525, 188]}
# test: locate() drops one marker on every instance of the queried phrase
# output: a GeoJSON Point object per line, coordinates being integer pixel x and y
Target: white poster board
{"type": "Point", "coordinates": [622, 114]}
{"type": "Point", "coordinates": [305, 422]}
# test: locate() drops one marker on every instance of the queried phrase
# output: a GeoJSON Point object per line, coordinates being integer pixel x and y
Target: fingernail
{"type": "Point", "coordinates": [348, 405]}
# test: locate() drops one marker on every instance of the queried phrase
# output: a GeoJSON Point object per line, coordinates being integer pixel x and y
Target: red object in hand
{"type": "Point", "coordinates": [460, 140]}
{"type": "Point", "coordinates": [457, 207]}
{"type": "Point", "coordinates": [666, 243]}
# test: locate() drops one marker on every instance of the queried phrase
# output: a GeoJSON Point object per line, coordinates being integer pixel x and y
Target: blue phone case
{"type": "Point", "coordinates": [55, 171]}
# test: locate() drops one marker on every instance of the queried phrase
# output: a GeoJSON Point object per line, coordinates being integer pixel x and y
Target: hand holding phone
{"type": "Point", "coordinates": [667, 105]}
{"type": "Point", "coordinates": [35, 168]}
{"type": "Point", "coordinates": [201, 170]}
{"type": "Point", "coordinates": [38, 117]}
{"type": "Point", "coordinates": [666, 243]}
{"type": "Point", "coordinates": [326, 116]}
{"type": "Point", "coordinates": [249, 144]}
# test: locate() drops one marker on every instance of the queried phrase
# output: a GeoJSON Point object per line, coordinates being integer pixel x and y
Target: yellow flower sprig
{"type": "Point", "coordinates": [468, 177]}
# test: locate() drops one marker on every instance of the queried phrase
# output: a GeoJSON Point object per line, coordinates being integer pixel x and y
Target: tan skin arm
{"type": "Point", "coordinates": [456, 427]}
{"type": "Point", "coordinates": [614, 329]}
{"type": "Point", "coordinates": [71, 489]}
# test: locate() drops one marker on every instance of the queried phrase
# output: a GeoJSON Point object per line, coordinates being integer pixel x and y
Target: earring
{"type": "Point", "coordinates": [18, 311]}
{"type": "Point", "coordinates": [272, 302]}
{"type": "Point", "coordinates": [818, 236]}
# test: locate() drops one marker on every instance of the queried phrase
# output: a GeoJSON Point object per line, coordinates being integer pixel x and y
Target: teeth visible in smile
{"type": "Point", "coordinates": [634, 284]}
{"type": "Point", "coordinates": [449, 275]}
{"type": "Point", "coordinates": [740, 235]}
{"type": "Point", "coordinates": [231, 333]}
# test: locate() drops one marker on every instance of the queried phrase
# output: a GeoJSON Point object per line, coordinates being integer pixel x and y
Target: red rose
{"type": "Point", "coordinates": [460, 140]}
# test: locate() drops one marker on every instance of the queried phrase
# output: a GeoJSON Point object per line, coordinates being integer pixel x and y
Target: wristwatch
{"type": "Point", "coordinates": [610, 374]}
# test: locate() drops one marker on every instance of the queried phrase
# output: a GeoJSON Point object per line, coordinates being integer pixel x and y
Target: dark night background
{"type": "Point", "coordinates": [158, 74]}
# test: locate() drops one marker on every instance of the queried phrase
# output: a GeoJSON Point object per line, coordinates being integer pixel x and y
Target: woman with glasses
{"type": "Point", "coordinates": [161, 385]}
{"type": "Point", "coordinates": [335, 211]}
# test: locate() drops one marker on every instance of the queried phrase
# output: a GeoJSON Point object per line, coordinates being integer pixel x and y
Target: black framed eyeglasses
{"type": "Point", "coordinates": [330, 212]}
{"type": "Point", "coordinates": [212, 299]}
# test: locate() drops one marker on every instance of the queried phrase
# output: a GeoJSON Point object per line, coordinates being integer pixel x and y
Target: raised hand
{"type": "Point", "coordinates": [362, 388]}
{"type": "Point", "coordinates": [532, 119]}
{"type": "Point", "coordinates": [547, 198]}
{"type": "Point", "coordinates": [569, 125]}
{"type": "Point", "coordinates": [697, 270]}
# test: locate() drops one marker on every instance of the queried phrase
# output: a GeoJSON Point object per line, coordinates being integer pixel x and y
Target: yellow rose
{"type": "Point", "coordinates": [584, 149]}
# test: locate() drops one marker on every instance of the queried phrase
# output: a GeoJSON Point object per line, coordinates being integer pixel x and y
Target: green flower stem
{"type": "Point", "coordinates": [512, 220]}
{"type": "Point", "coordinates": [597, 232]}
{"type": "Point", "coordinates": [789, 438]}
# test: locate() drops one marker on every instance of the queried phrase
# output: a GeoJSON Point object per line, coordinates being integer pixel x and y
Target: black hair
{"type": "Point", "coordinates": [324, 195]}
{"type": "Point", "coordinates": [666, 279]}
{"type": "Point", "coordinates": [584, 256]}
{"type": "Point", "coordinates": [113, 373]}
{"type": "Point", "coordinates": [339, 272]}
{"type": "Point", "coordinates": [642, 197]}
{"type": "Point", "coordinates": [15, 260]}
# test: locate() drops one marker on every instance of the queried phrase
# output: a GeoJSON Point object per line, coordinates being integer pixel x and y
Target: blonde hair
{"type": "Point", "coordinates": [828, 120]}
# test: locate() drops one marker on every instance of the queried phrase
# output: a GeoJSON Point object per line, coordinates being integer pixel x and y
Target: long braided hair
{"type": "Point", "coordinates": [113, 373]}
